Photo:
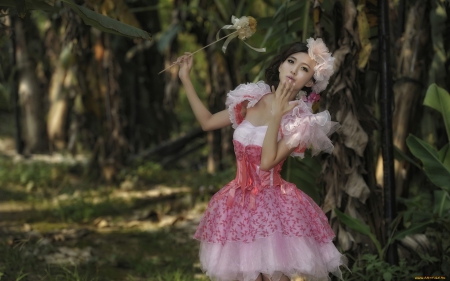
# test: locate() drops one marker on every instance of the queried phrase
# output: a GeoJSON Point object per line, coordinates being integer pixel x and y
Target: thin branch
{"type": "Point", "coordinates": [200, 50]}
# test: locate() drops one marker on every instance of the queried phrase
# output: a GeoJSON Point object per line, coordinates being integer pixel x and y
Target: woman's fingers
{"type": "Point", "coordinates": [292, 107]}
{"type": "Point", "coordinates": [190, 60]}
{"type": "Point", "coordinates": [286, 90]}
{"type": "Point", "coordinates": [282, 89]}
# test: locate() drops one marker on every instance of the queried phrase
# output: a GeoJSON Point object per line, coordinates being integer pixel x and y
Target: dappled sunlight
{"type": "Point", "coordinates": [107, 167]}
{"type": "Point", "coordinates": [66, 226]}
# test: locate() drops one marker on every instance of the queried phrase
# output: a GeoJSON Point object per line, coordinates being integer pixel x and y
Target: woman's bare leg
{"type": "Point", "coordinates": [260, 278]}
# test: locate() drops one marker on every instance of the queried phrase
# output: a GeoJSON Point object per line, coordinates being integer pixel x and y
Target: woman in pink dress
{"type": "Point", "coordinates": [259, 226]}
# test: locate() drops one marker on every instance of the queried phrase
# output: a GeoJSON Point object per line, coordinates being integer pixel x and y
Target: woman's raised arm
{"type": "Point", "coordinates": [207, 121]}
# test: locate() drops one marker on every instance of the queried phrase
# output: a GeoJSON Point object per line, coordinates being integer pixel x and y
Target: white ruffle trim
{"type": "Point", "coordinates": [304, 129]}
{"type": "Point", "coordinates": [300, 127]}
{"type": "Point", "coordinates": [252, 92]}
{"type": "Point", "coordinates": [273, 256]}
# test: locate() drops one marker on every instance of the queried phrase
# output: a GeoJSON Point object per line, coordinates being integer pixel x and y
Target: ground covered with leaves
{"type": "Point", "coordinates": [57, 225]}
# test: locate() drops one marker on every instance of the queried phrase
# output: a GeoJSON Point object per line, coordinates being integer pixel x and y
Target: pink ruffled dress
{"type": "Point", "coordinates": [260, 223]}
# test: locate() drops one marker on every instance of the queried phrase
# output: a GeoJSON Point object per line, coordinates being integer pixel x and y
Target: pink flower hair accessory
{"type": "Point", "coordinates": [312, 98]}
{"type": "Point", "coordinates": [324, 63]}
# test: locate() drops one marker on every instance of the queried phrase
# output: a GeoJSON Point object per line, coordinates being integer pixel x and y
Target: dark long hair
{"type": "Point", "coordinates": [272, 74]}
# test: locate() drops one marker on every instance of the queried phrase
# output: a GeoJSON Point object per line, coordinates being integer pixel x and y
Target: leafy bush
{"type": "Point", "coordinates": [371, 268]}
{"type": "Point", "coordinates": [428, 211]}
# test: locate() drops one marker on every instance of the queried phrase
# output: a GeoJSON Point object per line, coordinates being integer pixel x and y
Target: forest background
{"type": "Point", "coordinates": [105, 172]}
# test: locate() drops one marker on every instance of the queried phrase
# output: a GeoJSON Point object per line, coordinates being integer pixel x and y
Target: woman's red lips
{"type": "Point", "coordinates": [289, 77]}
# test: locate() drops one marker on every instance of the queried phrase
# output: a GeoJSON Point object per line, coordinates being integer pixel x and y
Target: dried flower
{"type": "Point", "coordinates": [252, 23]}
{"type": "Point", "coordinates": [245, 28]}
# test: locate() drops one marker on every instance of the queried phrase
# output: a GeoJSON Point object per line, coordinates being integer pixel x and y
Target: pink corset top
{"type": "Point", "coordinates": [247, 140]}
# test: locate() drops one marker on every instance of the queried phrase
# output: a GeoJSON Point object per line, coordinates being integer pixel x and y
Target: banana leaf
{"type": "Point", "coordinates": [94, 19]}
{"type": "Point", "coordinates": [304, 174]}
{"type": "Point", "coordinates": [27, 5]}
{"type": "Point", "coordinates": [444, 155]}
{"type": "Point", "coordinates": [401, 156]}
{"type": "Point", "coordinates": [441, 202]}
{"type": "Point", "coordinates": [107, 24]}
{"type": "Point", "coordinates": [360, 227]}
{"type": "Point", "coordinates": [434, 168]}
{"type": "Point", "coordinates": [413, 229]}
{"type": "Point", "coordinates": [439, 99]}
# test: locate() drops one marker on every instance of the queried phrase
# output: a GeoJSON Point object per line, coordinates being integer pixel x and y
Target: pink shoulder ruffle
{"type": "Point", "coordinates": [252, 92]}
{"type": "Point", "coordinates": [301, 128]}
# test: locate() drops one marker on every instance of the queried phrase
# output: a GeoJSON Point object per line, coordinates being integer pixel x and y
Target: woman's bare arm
{"type": "Point", "coordinates": [274, 151]}
{"type": "Point", "coordinates": [207, 120]}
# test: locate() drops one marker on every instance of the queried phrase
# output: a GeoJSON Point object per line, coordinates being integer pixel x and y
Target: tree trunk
{"type": "Point", "coordinates": [59, 101]}
{"type": "Point", "coordinates": [220, 86]}
{"type": "Point", "coordinates": [407, 88]}
{"type": "Point", "coordinates": [63, 88]}
{"type": "Point", "coordinates": [172, 82]}
{"type": "Point", "coordinates": [14, 91]}
{"type": "Point", "coordinates": [345, 171]}
{"type": "Point", "coordinates": [31, 97]}
{"type": "Point", "coordinates": [154, 119]}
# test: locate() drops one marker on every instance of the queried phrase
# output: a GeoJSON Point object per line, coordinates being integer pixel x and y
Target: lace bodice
{"type": "Point", "coordinates": [248, 140]}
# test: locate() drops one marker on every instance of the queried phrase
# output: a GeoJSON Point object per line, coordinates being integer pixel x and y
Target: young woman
{"type": "Point", "coordinates": [259, 226]}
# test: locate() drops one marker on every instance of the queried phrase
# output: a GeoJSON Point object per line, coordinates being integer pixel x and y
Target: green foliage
{"type": "Point", "coordinates": [94, 19]}
{"type": "Point", "coordinates": [68, 274]}
{"type": "Point", "coordinates": [436, 163]}
{"type": "Point", "coordinates": [435, 169]}
{"type": "Point", "coordinates": [13, 264]}
{"type": "Point", "coordinates": [107, 24]}
{"type": "Point", "coordinates": [166, 38]}
{"type": "Point", "coordinates": [422, 214]}
{"type": "Point", "coordinates": [430, 216]}
{"type": "Point", "coordinates": [290, 21]}
{"type": "Point", "coordinates": [439, 99]}
{"type": "Point", "coordinates": [428, 211]}
{"type": "Point", "coordinates": [360, 227]}
{"type": "Point", "coordinates": [33, 173]}
{"type": "Point", "coordinates": [84, 209]}
{"type": "Point", "coordinates": [401, 156]}
{"type": "Point", "coordinates": [45, 5]}
{"type": "Point", "coordinates": [372, 268]}
{"type": "Point", "coordinates": [439, 22]}
{"type": "Point", "coordinates": [150, 172]}
{"type": "Point", "coordinates": [441, 202]}
{"type": "Point", "coordinates": [304, 174]}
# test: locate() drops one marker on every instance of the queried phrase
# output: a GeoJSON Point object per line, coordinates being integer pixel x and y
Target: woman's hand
{"type": "Point", "coordinates": [280, 104]}
{"type": "Point", "coordinates": [185, 63]}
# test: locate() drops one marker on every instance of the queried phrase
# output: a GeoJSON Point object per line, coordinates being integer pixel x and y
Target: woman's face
{"type": "Point", "coordinates": [298, 68]}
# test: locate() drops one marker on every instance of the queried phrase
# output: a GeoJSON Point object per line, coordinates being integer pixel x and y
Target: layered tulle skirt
{"type": "Point", "coordinates": [284, 232]}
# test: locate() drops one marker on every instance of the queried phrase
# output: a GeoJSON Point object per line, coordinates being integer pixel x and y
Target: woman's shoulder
{"type": "Point", "coordinates": [243, 97]}
{"type": "Point", "coordinates": [252, 92]}
{"type": "Point", "coordinates": [259, 86]}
